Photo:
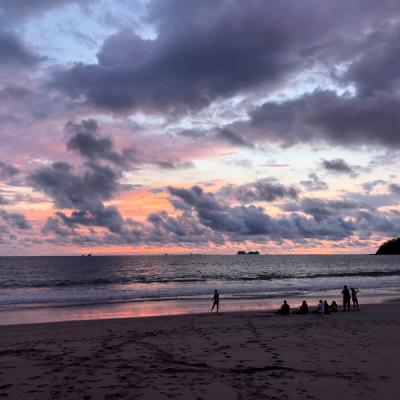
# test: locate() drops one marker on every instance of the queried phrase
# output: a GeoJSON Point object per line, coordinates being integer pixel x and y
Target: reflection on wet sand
{"type": "Point", "coordinates": [145, 309]}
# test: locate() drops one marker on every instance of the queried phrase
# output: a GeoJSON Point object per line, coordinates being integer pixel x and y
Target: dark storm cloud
{"type": "Point", "coordinates": [314, 183]}
{"type": "Point", "coordinates": [394, 188]}
{"type": "Point", "coordinates": [196, 197]}
{"type": "Point", "coordinates": [108, 217]}
{"type": "Point", "coordinates": [321, 209]}
{"type": "Point", "coordinates": [377, 66]}
{"type": "Point", "coordinates": [242, 222]}
{"type": "Point", "coordinates": [3, 200]}
{"type": "Point", "coordinates": [124, 48]}
{"type": "Point", "coordinates": [337, 165]}
{"type": "Point", "coordinates": [166, 229]}
{"type": "Point", "coordinates": [171, 165]}
{"type": "Point", "coordinates": [55, 225]}
{"type": "Point", "coordinates": [14, 92]}
{"type": "Point", "coordinates": [87, 141]}
{"type": "Point", "coordinates": [82, 192]}
{"type": "Point", "coordinates": [7, 171]}
{"type": "Point", "coordinates": [370, 186]}
{"type": "Point", "coordinates": [204, 217]}
{"type": "Point", "coordinates": [325, 116]}
{"type": "Point", "coordinates": [260, 190]}
{"type": "Point", "coordinates": [13, 52]}
{"type": "Point", "coordinates": [12, 11]}
{"type": "Point", "coordinates": [15, 220]}
{"type": "Point", "coordinates": [232, 138]}
{"type": "Point", "coordinates": [366, 116]}
{"type": "Point", "coordinates": [219, 216]}
{"type": "Point", "coordinates": [374, 201]}
{"type": "Point", "coordinates": [324, 220]}
{"type": "Point", "coordinates": [159, 229]}
{"type": "Point", "coordinates": [369, 223]}
{"type": "Point", "coordinates": [73, 190]}
{"type": "Point", "coordinates": [198, 56]}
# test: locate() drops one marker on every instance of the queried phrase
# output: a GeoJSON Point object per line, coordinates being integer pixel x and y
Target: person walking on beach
{"type": "Point", "coordinates": [354, 298]}
{"type": "Point", "coordinates": [346, 298]}
{"type": "Point", "coordinates": [215, 300]}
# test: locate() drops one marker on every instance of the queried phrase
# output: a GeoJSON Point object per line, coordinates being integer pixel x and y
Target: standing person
{"type": "Point", "coordinates": [354, 298]}
{"type": "Point", "coordinates": [346, 298]}
{"type": "Point", "coordinates": [215, 300]}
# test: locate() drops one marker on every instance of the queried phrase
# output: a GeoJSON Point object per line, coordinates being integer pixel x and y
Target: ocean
{"type": "Point", "coordinates": [43, 289]}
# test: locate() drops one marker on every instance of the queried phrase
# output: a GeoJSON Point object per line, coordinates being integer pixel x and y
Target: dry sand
{"type": "Point", "coordinates": [249, 355]}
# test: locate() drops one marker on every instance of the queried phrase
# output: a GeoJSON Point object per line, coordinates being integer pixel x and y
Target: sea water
{"type": "Point", "coordinates": [38, 289]}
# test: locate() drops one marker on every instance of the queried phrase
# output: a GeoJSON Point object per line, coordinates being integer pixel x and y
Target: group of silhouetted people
{"type": "Point", "coordinates": [323, 307]}
{"type": "Point", "coordinates": [350, 294]}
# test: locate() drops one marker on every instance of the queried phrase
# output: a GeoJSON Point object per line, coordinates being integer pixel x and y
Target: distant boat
{"type": "Point", "coordinates": [249, 253]}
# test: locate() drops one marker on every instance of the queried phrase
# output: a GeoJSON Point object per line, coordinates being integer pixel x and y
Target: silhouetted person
{"type": "Point", "coordinates": [303, 309]}
{"type": "Point", "coordinates": [285, 309]}
{"type": "Point", "coordinates": [215, 300]}
{"type": "Point", "coordinates": [333, 307]}
{"type": "Point", "coordinates": [346, 298]}
{"type": "Point", "coordinates": [326, 307]}
{"type": "Point", "coordinates": [354, 298]}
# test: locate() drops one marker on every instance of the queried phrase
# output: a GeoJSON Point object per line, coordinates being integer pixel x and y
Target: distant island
{"type": "Point", "coordinates": [243, 253]}
{"type": "Point", "coordinates": [390, 247]}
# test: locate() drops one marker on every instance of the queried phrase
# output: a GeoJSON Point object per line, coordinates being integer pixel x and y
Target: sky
{"type": "Point", "coordinates": [188, 126]}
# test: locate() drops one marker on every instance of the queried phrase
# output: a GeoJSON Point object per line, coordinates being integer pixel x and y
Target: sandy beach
{"type": "Point", "coordinates": [246, 355]}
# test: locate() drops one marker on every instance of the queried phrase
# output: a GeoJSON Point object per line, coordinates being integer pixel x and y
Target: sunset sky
{"type": "Point", "coordinates": [176, 126]}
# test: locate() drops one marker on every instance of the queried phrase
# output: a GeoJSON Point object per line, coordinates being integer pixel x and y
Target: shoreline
{"type": "Point", "coordinates": [159, 308]}
{"type": "Point", "coordinates": [249, 354]}
{"type": "Point", "coordinates": [230, 313]}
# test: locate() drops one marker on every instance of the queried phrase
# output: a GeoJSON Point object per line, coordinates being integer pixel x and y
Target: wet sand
{"type": "Point", "coordinates": [245, 355]}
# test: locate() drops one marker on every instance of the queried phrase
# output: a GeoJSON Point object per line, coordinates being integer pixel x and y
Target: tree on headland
{"type": "Point", "coordinates": [390, 247]}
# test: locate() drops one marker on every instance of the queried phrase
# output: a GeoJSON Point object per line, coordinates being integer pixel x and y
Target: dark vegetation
{"type": "Point", "coordinates": [390, 247]}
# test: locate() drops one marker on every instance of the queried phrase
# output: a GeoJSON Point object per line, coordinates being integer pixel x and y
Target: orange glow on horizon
{"type": "Point", "coordinates": [140, 203]}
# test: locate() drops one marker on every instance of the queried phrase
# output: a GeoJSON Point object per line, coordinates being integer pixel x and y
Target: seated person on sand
{"type": "Point", "coordinates": [285, 309]}
{"type": "Point", "coordinates": [333, 307]}
{"type": "Point", "coordinates": [303, 309]}
{"type": "Point", "coordinates": [326, 307]}
{"type": "Point", "coordinates": [320, 308]}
